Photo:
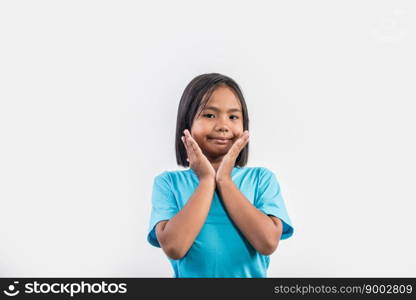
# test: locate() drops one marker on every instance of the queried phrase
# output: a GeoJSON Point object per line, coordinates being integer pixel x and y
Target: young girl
{"type": "Point", "coordinates": [217, 218]}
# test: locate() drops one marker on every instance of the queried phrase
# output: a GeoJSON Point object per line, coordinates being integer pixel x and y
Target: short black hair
{"type": "Point", "coordinates": [196, 95]}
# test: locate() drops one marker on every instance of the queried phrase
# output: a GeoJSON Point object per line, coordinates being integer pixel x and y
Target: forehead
{"type": "Point", "coordinates": [224, 98]}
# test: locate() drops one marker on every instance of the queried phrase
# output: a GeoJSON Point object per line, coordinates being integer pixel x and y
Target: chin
{"type": "Point", "coordinates": [218, 153]}
{"type": "Point", "coordinates": [212, 151]}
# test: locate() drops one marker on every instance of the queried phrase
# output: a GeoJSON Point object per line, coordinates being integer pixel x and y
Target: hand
{"type": "Point", "coordinates": [197, 160]}
{"type": "Point", "coordinates": [228, 161]}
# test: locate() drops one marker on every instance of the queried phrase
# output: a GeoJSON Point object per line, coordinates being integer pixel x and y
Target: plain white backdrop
{"type": "Point", "coordinates": [89, 93]}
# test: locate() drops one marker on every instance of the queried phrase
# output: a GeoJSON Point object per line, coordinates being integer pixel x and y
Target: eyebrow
{"type": "Point", "coordinates": [216, 109]}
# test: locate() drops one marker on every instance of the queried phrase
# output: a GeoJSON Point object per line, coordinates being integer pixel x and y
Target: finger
{"type": "Point", "coordinates": [191, 152]}
{"type": "Point", "coordinates": [242, 140]}
{"type": "Point", "coordinates": [240, 143]}
{"type": "Point", "coordinates": [245, 138]}
{"type": "Point", "coordinates": [194, 145]}
{"type": "Point", "coordinates": [186, 147]}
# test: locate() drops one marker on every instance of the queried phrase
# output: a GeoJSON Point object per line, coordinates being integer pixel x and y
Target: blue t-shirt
{"type": "Point", "coordinates": [220, 249]}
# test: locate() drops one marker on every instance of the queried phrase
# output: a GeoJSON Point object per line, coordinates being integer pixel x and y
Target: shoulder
{"type": "Point", "coordinates": [267, 172]}
{"type": "Point", "coordinates": [263, 177]}
{"type": "Point", "coordinates": [259, 172]}
{"type": "Point", "coordinates": [173, 175]}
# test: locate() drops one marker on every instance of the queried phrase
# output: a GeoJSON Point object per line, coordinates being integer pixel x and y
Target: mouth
{"type": "Point", "coordinates": [220, 140]}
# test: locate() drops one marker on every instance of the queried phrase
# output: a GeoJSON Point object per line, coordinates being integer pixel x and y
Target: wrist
{"type": "Point", "coordinates": [207, 179]}
{"type": "Point", "coordinates": [223, 181]}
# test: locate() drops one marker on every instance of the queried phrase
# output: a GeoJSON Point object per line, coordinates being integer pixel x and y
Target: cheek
{"type": "Point", "coordinates": [196, 124]}
{"type": "Point", "coordinates": [199, 128]}
{"type": "Point", "coordinates": [240, 130]}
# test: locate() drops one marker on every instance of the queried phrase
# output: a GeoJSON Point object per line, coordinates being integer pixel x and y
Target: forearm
{"type": "Point", "coordinates": [258, 228]}
{"type": "Point", "coordinates": [180, 231]}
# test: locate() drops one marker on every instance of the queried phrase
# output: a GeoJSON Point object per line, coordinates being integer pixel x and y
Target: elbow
{"type": "Point", "coordinates": [271, 242]}
{"type": "Point", "coordinates": [173, 253]}
{"type": "Point", "coordinates": [269, 247]}
{"type": "Point", "coordinates": [267, 250]}
{"type": "Point", "coordinates": [171, 249]}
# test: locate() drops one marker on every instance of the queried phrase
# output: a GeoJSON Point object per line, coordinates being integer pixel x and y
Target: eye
{"type": "Point", "coordinates": [209, 116]}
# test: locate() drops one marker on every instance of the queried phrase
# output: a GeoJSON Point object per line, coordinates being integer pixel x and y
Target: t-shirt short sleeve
{"type": "Point", "coordinates": [164, 205]}
{"type": "Point", "coordinates": [269, 200]}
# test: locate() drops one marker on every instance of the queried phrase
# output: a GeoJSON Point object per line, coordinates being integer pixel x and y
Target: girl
{"type": "Point", "coordinates": [217, 218]}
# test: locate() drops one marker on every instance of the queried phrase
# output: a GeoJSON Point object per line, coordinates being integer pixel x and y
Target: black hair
{"type": "Point", "coordinates": [196, 95]}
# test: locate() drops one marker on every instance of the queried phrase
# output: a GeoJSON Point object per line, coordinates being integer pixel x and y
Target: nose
{"type": "Point", "coordinates": [222, 125]}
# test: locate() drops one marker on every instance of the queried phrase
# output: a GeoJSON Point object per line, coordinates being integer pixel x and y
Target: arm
{"type": "Point", "coordinates": [178, 234]}
{"type": "Point", "coordinates": [262, 231]}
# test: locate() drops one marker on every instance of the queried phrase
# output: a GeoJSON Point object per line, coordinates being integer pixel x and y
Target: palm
{"type": "Point", "coordinates": [203, 167]}
{"type": "Point", "coordinates": [226, 167]}
{"type": "Point", "coordinates": [228, 162]}
{"type": "Point", "coordinates": [196, 158]}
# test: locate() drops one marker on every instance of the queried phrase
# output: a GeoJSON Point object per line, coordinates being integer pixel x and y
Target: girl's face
{"type": "Point", "coordinates": [219, 124]}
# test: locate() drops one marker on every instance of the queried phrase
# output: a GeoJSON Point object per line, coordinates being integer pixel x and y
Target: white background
{"type": "Point", "coordinates": [89, 93]}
